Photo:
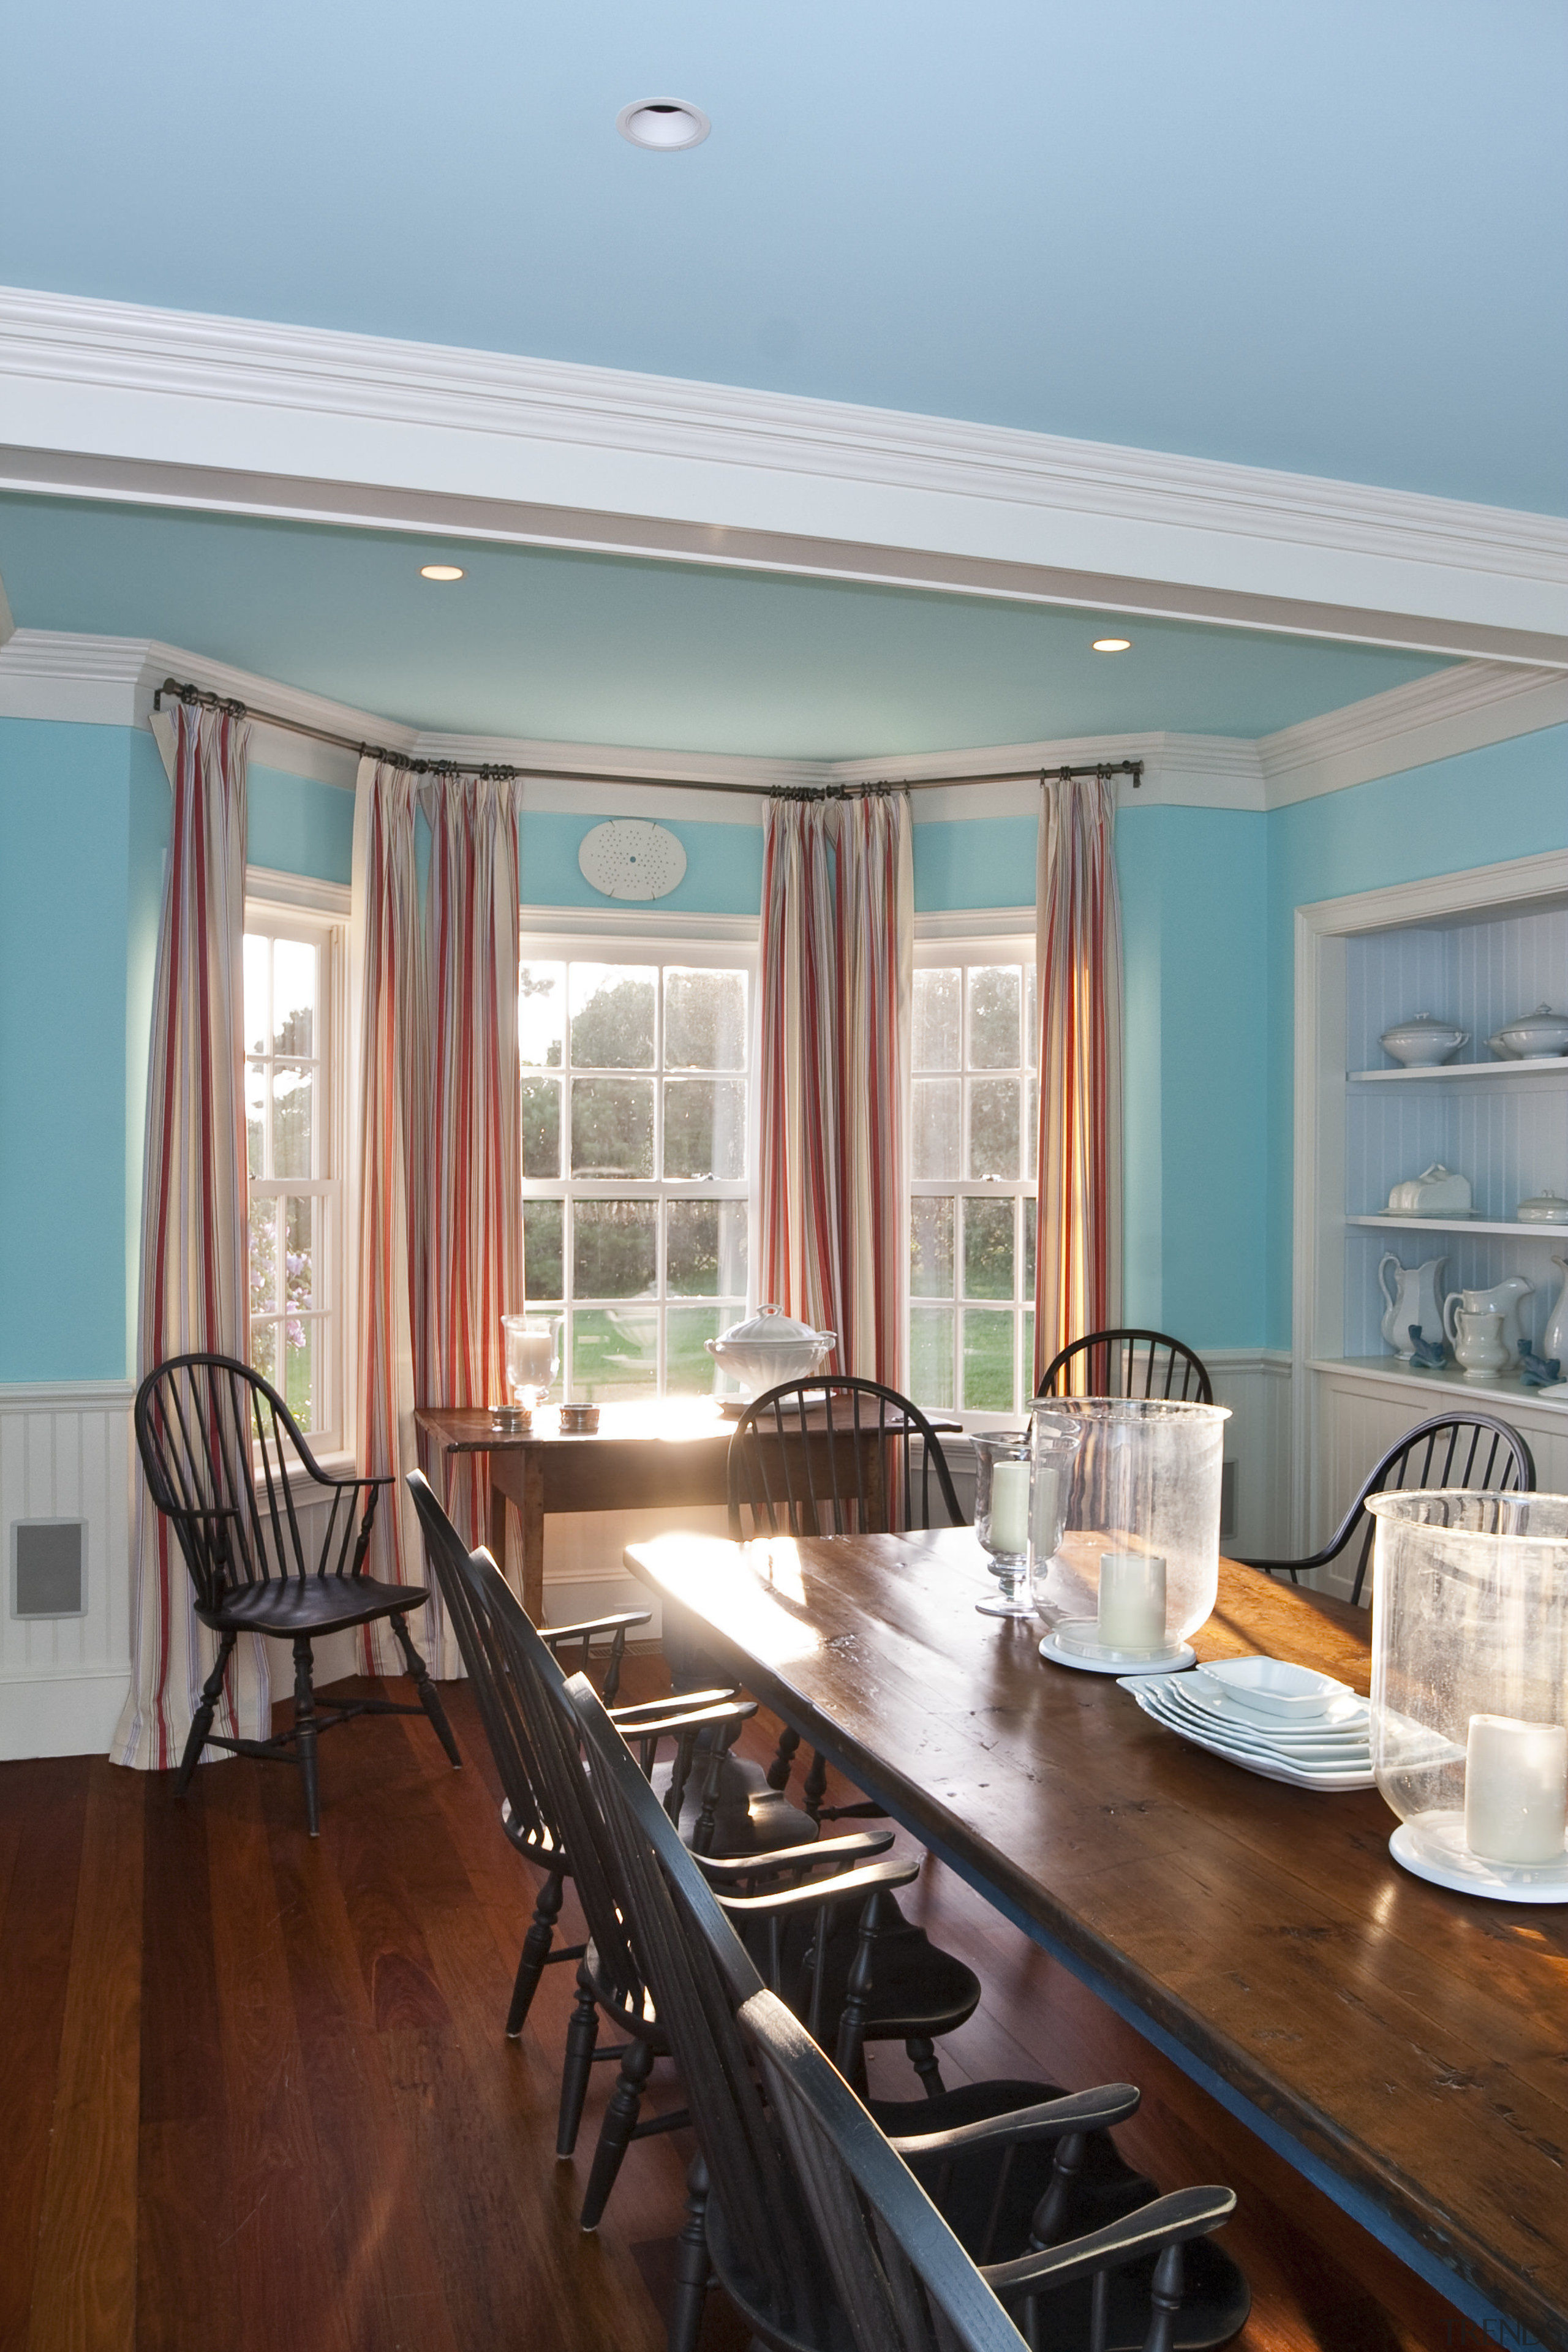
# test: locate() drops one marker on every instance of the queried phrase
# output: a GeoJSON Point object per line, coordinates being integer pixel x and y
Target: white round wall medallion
{"type": "Point", "coordinates": [627, 858]}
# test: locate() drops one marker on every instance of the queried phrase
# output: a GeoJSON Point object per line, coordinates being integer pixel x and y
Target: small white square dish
{"type": "Point", "coordinates": [1273, 1686]}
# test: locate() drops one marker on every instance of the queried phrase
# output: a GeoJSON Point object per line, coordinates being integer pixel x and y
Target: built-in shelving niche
{"type": "Point", "coordinates": [1503, 1126]}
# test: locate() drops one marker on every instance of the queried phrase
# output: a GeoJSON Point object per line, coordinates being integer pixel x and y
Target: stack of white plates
{"type": "Point", "coordinates": [1288, 1723]}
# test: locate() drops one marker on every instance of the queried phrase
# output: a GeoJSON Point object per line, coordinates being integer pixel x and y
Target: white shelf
{"type": "Point", "coordinates": [1536, 1065]}
{"type": "Point", "coordinates": [1466, 1225]}
{"type": "Point", "coordinates": [1443, 1385]}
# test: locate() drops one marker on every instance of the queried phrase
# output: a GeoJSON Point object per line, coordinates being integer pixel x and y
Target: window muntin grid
{"type": "Point", "coordinates": [294, 1203]}
{"type": "Point", "coordinates": [975, 1143]}
{"type": "Point", "coordinates": [637, 1149]}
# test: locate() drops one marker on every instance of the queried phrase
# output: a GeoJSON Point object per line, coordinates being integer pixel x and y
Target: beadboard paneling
{"type": "Point", "coordinates": [65, 1453]}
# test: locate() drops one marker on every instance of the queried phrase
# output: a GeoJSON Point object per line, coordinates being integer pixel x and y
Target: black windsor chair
{"type": "Point", "coordinates": [813, 2225]}
{"type": "Point", "coordinates": [1473, 1450]}
{"type": "Point", "coordinates": [810, 1929]}
{"type": "Point", "coordinates": [721, 1813]}
{"type": "Point", "coordinates": [855, 1472]}
{"type": "Point", "coordinates": [221, 1450]}
{"type": "Point", "coordinates": [1128, 1364]}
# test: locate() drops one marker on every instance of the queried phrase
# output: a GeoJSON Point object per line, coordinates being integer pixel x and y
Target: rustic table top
{"type": "Point", "coordinates": [1414, 2042]}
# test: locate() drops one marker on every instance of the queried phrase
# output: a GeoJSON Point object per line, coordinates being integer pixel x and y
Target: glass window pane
{"type": "Point", "coordinates": [988, 1249]}
{"type": "Point", "coordinates": [292, 1092]}
{"type": "Point", "coordinates": [255, 1117]}
{"type": "Point", "coordinates": [987, 1360]}
{"type": "Point", "coordinates": [1031, 1127]}
{"type": "Point", "coordinates": [688, 1368]}
{"type": "Point", "coordinates": [541, 1127]}
{"type": "Point", "coordinates": [612, 1127]}
{"type": "Point", "coordinates": [614, 1249]}
{"type": "Point", "coordinates": [705, 1249]}
{"type": "Point", "coordinates": [257, 1014]}
{"type": "Point", "coordinates": [299, 1254]}
{"type": "Point", "coordinates": [544, 1239]}
{"type": "Point", "coordinates": [1031, 1019]}
{"type": "Point", "coordinates": [931, 1249]}
{"type": "Point", "coordinates": [935, 1151]}
{"type": "Point", "coordinates": [994, 1127]}
{"type": "Point", "coordinates": [264, 1350]}
{"type": "Point", "coordinates": [704, 1020]}
{"type": "Point", "coordinates": [614, 1353]}
{"type": "Point", "coordinates": [612, 1017]}
{"type": "Point", "coordinates": [937, 998]}
{"type": "Point", "coordinates": [705, 1126]}
{"type": "Point", "coordinates": [299, 1371]}
{"type": "Point", "coordinates": [293, 996]}
{"type": "Point", "coordinates": [993, 997]}
{"type": "Point", "coordinates": [264, 1298]}
{"type": "Point", "coordinates": [930, 1355]}
{"type": "Point", "coordinates": [541, 1015]}
{"type": "Point", "coordinates": [1031, 1212]}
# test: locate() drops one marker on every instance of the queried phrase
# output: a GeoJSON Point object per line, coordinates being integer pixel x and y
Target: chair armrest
{"type": "Point", "coordinates": [627, 1716]}
{"type": "Point", "coordinates": [821, 1894]}
{"type": "Point", "coordinates": [1170, 2220]}
{"type": "Point", "coordinates": [389, 1479]}
{"type": "Point", "coordinates": [1080, 2111]}
{"type": "Point", "coordinates": [620, 1622]}
{"type": "Point", "coordinates": [864, 1844]}
{"type": "Point", "coordinates": [691, 1720]}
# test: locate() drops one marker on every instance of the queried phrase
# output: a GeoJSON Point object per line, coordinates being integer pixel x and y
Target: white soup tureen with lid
{"type": "Point", "coordinates": [770, 1347]}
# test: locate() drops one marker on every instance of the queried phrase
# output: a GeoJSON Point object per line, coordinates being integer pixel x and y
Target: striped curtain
{"type": "Point", "coordinates": [1077, 1262]}
{"type": "Point", "coordinates": [837, 930]}
{"type": "Point", "coordinates": [439, 1189]}
{"type": "Point", "coordinates": [194, 1220]}
{"type": "Point", "coordinates": [386, 1188]}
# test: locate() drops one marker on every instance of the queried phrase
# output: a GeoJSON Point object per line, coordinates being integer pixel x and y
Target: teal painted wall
{"type": "Point", "coordinates": [295, 825]}
{"type": "Point", "coordinates": [78, 821]}
{"type": "Point", "coordinates": [987, 861]}
{"type": "Point", "coordinates": [1507, 800]}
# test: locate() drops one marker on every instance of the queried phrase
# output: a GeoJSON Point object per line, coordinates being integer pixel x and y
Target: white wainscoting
{"type": "Point", "coordinates": [1254, 1382]}
{"type": "Point", "coordinates": [65, 1453]}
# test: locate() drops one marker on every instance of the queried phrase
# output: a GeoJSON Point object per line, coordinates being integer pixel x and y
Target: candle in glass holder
{"type": "Point", "coordinates": [1516, 1790]}
{"type": "Point", "coordinates": [531, 1354]}
{"type": "Point", "coordinates": [1010, 1507]}
{"type": "Point", "coordinates": [1131, 1601]}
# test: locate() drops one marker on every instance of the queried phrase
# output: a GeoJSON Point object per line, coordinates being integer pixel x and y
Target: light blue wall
{"type": "Point", "coordinates": [78, 822]}
{"type": "Point", "coordinates": [295, 825]}
{"type": "Point", "coordinates": [987, 861]}
{"type": "Point", "coordinates": [1507, 800]}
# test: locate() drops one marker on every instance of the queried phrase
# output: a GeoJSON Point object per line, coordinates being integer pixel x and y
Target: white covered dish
{"type": "Point", "coordinates": [1423, 1042]}
{"type": "Point", "coordinates": [1541, 1032]}
{"type": "Point", "coordinates": [770, 1347]}
{"type": "Point", "coordinates": [1435, 1192]}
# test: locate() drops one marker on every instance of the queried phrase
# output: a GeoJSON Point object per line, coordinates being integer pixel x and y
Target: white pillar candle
{"type": "Point", "coordinates": [1131, 1601]}
{"type": "Point", "coordinates": [530, 1366]}
{"type": "Point", "coordinates": [1516, 1790]}
{"type": "Point", "coordinates": [1010, 1506]}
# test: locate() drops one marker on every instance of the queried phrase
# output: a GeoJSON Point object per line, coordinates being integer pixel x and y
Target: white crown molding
{"type": "Point", "coordinates": [108, 399]}
{"type": "Point", "coordinates": [110, 681]}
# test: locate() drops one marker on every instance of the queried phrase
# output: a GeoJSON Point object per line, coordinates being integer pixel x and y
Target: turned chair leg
{"type": "Point", "coordinates": [691, 2267]}
{"type": "Point", "coordinates": [305, 1730]}
{"type": "Point", "coordinates": [535, 1952]}
{"type": "Point", "coordinates": [616, 2131]}
{"type": "Point", "coordinates": [816, 1787]}
{"type": "Point", "coordinates": [923, 2057]}
{"type": "Point", "coordinates": [429, 1697]}
{"type": "Point", "coordinates": [783, 1757]}
{"type": "Point", "coordinates": [202, 1721]}
{"type": "Point", "coordinates": [580, 2035]}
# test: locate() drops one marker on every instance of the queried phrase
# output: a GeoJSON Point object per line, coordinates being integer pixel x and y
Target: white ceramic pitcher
{"type": "Point", "coordinates": [1505, 1298]}
{"type": "Point", "coordinates": [1554, 1338]}
{"type": "Point", "coordinates": [1477, 1340]}
{"type": "Point", "coordinates": [1412, 1297]}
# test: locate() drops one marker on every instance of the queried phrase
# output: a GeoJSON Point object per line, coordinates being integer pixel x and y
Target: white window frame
{"type": "Point", "coordinates": [722, 944]}
{"type": "Point", "coordinates": [275, 917]}
{"type": "Point", "coordinates": [936, 949]}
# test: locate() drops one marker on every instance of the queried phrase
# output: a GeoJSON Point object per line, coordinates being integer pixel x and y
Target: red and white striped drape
{"type": "Point", "coordinates": [1078, 1263]}
{"type": "Point", "coordinates": [440, 1255]}
{"type": "Point", "coordinates": [194, 1220]}
{"type": "Point", "coordinates": [837, 940]}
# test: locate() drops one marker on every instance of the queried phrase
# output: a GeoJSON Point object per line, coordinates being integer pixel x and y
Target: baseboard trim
{"type": "Point", "coordinates": [60, 1710]}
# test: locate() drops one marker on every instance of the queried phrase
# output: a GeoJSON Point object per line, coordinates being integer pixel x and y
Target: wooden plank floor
{"type": "Point", "coordinates": [254, 2093]}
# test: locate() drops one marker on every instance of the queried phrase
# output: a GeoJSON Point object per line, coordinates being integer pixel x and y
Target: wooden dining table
{"type": "Point", "coordinates": [1405, 2047]}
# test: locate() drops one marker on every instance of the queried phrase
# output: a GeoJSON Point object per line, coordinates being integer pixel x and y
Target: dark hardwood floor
{"type": "Point", "coordinates": [255, 2094]}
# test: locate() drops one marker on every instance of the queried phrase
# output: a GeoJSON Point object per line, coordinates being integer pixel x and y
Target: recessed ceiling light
{"type": "Point", "coordinates": [665, 123]}
{"type": "Point", "coordinates": [1112, 645]}
{"type": "Point", "coordinates": [440, 571]}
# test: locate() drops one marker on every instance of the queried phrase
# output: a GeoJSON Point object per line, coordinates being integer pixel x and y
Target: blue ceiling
{"type": "Point", "coordinates": [1331, 237]}
{"type": "Point", "coordinates": [575, 649]}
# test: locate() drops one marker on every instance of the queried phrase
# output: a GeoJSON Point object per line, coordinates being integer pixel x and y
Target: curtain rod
{"type": "Point", "coordinates": [184, 692]}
